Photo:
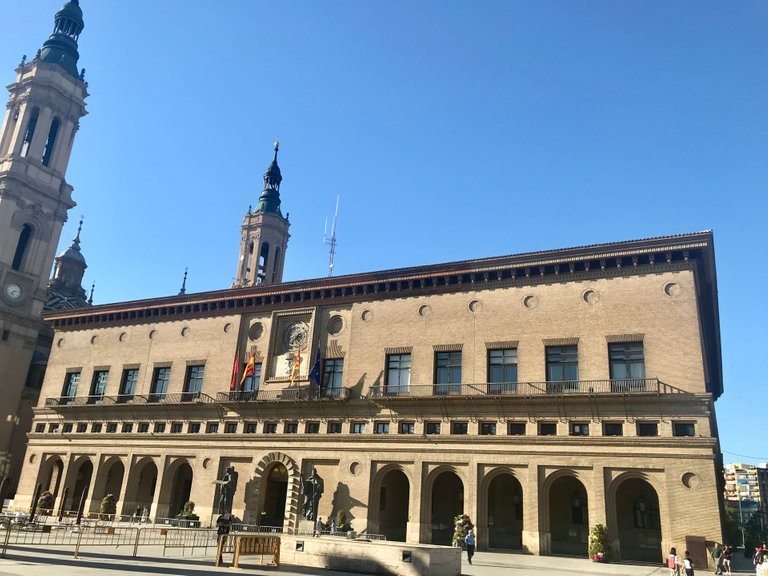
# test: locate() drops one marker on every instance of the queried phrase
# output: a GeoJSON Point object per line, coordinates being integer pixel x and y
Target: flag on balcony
{"type": "Point", "coordinates": [314, 374]}
{"type": "Point", "coordinates": [295, 373]}
{"type": "Point", "coordinates": [249, 368]}
{"type": "Point", "coordinates": [233, 382]}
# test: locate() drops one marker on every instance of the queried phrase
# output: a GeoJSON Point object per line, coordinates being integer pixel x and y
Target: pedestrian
{"type": "Point", "coordinates": [673, 562]}
{"type": "Point", "coordinates": [727, 553]}
{"type": "Point", "coordinates": [469, 540]}
{"type": "Point", "coordinates": [137, 514]}
{"type": "Point", "coordinates": [717, 556]}
{"type": "Point", "coordinates": [333, 526]}
{"type": "Point", "coordinates": [145, 514]}
{"type": "Point", "coordinates": [688, 564]}
{"type": "Point", "coordinates": [223, 524]}
{"type": "Point", "coordinates": [319, 526]}
{"type": "Point", "coordinates": [761, 561]}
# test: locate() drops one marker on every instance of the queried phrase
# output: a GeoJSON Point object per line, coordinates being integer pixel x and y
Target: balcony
{"type": "Point", "coordinates": [527, 389]}
{"type": "Point", "coordinates": [283, 395]}
{"type": "Point", "coordinates": [59, 402]}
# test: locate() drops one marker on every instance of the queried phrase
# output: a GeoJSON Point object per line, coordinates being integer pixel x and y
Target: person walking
{"type": "Point", "coordinates": [688, 564]}
{"type": "Point", "coordinates": [717, 556]}
{"type": "Point", "coordinates": [727, 553]}
{"type": "Point", "coordinates": [469, 540]}
{"type": "Point", "coordinates": [673, 562]}
{"type": "Point", "coordinates": [319, 526]}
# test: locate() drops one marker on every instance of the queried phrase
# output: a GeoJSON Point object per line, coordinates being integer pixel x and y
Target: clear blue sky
{"type": "Point", "coordinates": [451, 130]}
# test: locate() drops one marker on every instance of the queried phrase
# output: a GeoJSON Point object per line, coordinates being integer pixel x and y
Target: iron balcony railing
{"type": "Point", "coordinates": [570, 387]}
{"type": "Point", "coordinates": [286, 394]}
{"type": "Point", "coordinates": [143, 399]}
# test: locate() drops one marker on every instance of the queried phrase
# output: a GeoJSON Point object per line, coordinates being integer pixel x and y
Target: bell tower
{"type": "Point", "coordinates": [42, 116]}
{"type": "Point", "coordinates": [264, 237]}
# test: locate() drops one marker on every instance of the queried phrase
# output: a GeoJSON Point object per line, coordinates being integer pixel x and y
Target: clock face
{"type": "Point", "coordinates": [13, 291]}
{"type": "Point", "coordinates": [297, 336]}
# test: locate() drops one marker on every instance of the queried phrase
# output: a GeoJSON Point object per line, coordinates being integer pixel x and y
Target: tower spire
{"type": "Point", "coordinates": [184, 283]}
{"type": "Point", "coordinates": [61, 46]}
{"type": "Point", "coordinates": [269, 201]}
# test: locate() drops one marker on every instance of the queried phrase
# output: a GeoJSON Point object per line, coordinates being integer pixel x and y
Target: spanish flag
{"type": "Point", "coordinates": [296, 372]}
{"type": "Point", "coordinates": [249, 368]}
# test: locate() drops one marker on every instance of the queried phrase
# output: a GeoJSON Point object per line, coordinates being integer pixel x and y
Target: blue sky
{"type": "Point", "coordinates": [450, 130]}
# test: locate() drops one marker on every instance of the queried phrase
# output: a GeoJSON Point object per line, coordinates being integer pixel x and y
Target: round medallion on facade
{"type": "Point", "coordinates": [335, 325]}
{"type": "Point", "coordinates": [94, 339]}
{"type": "Point", "coordinates": [690, 480]}
{"type": "Point", "coordinates": [185, 332]}
{"type": "Point", "coordinates": [256, 331]}
{"type": "Point", "coordinates": [530, 301]}
{"type": "Point", "coordinates": [227, 328]}
{"type": "Point", "coordinates": [475, 306]}
{"type": "Point", "coordinates": [355, 468]}
{"type": "Point", "coordinates": [366, 316]}
{"type": "Point", "coordinates": [672, 289]}
{"type": "Point", "coordinates": [425, 310]}
{"type": "Point", "coordinates": [123, 336]}
{"type": "Point", "coordinates": [297, 336]}
{"type": "Point", "coordinates": [591, 296]}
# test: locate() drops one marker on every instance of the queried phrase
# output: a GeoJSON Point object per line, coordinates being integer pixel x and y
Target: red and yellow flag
{"type": "Point", "coordinates": [295, 373]}
{"type": "Point", "coordinates": [235, 367]}
{"type": "Point", "coordinates": [249, 368]}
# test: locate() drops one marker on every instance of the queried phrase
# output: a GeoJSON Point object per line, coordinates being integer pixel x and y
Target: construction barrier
{"type": "Point", "coordinates": [248, 545]}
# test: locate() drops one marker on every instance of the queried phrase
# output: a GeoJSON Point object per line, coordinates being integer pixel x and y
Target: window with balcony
{"type": "Point", "coordinates": [98, 385]}
{"type": "Point", "coordinates": [516, 428]}
{"type": "Point", "coordinates": [160, 378]}
{"type": "Point", "coordinates": [562, 369]}
{"type": "Point", "coordinates": [627, 366]}
{"type": "Point", "coordinates": [398, 374]}
{"type": "Point", "coordinates": [406, 428]}
{"type": "Point", "coordinates": [647, 428]}
{"type": "Point", "coordinates": [683, 429]}
{"type": "Point", "coordinates": [613, 429]}
{"type": "Point", "coordinates": [193, 383]}
{"type": "Point", "coordinates": [381, 428]}
{"type": "Point", "coordinates": [128, 384]}
{"type": "Point", "coordinates": [579, 429]}
{"type": "Point", "coordinates": [432, 427]}
{"type": "Point", "coordinates": [334, 427]}
{"type": "Point", "coordinates": [330, 383]}
{"type": "Point", "coordinates": [502, 371]}
{"type": "Point", "coordinates": [547, 429]}
{"type": "Point", "coordinates": [447, 373]}
{"type": "Point", "coordinates": [487, 428]}
{"type": "Point", "coordinates": [252, 382]}
{"type": "Point", "coordinates": [312, 428]}
{"type": "Point", "coordinates": [71, 380]}
{"type": "Point", "coordinates": [459, 428]}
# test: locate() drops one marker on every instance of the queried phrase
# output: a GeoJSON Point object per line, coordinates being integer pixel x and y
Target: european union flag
{"type": "Point", "coordinates": [314, 374]}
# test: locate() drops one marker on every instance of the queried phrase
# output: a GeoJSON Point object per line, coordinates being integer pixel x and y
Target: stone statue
{"type": "Point", "coordinates": [312, 487]}
{"type": "Point", "coordinates": [227, 489]}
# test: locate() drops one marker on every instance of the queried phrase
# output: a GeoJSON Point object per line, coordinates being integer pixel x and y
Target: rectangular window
{"type": "Point", "coordinates": [252, 381]}
{"type": "Point", "coordinates": [330, 383]}
{"type": "Point", "coordinates": [579, 429]}
{"type": "Point", "coordinates": [67, 428]}
{"type": "Point", "coordinates": [432, 428]}
{"type": "Point", "coordinates": [269, 428]}
{"type": "Point", "coordinates": [127, 428]}
{"type": "Point", "coordinates": [212, 428]}
{"type": "Point", "coordinates": [562, 369]}
{"type": "Point", "coordinates": [193, 383]}
{"type": "Point", "coordinates": [160, 379]}
{"type": "Point", "coordinates": [159, 427]}
{"type": "Point", "coordinates": [357, 428]}
{"type": "Point", "coordinates": [447, 373]}
{"type": "Point", "coordinates": [71, 380]}
{"type": "Point", "coordinates": [230, 428]}
{"type": "Point", "coordinates": [312, 428]}
{"type": "Point", "coordinates": [502, 371]}
{"type": "Point", "coordinates": [647, 428]}
{"type": "Point", "coordinates": [406, 427]}
{"type": "Point", "coordinates": [128, 384]}
{"type": "Point", "coordinates": [516, 428]}
{"type": "Point", "coordinates": [40, 428]}
{"type": "Point", "coordinates": [193, 428]}
{"type": "Point", "coordinates": [683, 429]}
{"type": "Point", "coordinates": [488, 428]}
{"type": "Point", "coordinates": [291, 427]}
{"type": "Point", "coordinates": [176, 427]}
{"type": "Point", "coordinates": [53, 428]}
{"type": "Point", "coordinates": [627, 366]}
{"type": "Point", "coordinates": [82, 428]}
{"type": "Point", "coordinates": [112, 427]}
{"type": "Point", "coordinates": [249, 428]}
{"type": "Point", "coordinates": [334, 427]}
{"type": "Point", "coordinates": [398, 374]}
{"type": "Point", "coordinates": [381, 428]}
{"type": "Point", "coordinates": [547, 429]}
{"type": "Point", "coordinates": [98, 385]}
{"type": "Point", "coordinates": [613, 429]}
{"type": "Point", "coordinates": [96, 428]}
{"type": "Point", "coordinates": [459, 428]}
{"type": "Point", "coordinates": [143, 427]}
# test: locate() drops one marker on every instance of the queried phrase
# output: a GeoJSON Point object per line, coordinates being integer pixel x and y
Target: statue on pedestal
{"type": "Point", "coordinates": [227, 488]}
{"type": "Point", "coordinates": [312, 488]}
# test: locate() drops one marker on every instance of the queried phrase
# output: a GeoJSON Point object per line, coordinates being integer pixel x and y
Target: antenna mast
{"type": "Point", "coordinates": [332, 240]}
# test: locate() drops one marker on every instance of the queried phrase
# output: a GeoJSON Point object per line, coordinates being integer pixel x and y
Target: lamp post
{"type": "Point", "coordinates": [741, 516]}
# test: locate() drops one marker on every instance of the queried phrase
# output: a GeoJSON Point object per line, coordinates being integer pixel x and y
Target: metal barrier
{"type": "Point", "coordinates": [248, 545]}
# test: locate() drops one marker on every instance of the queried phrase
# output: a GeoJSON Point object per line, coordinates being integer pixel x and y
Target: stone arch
{"type": "Point", "coordinates": [108, 480]}
{"type": "Point", "coordinates": [564, 512]}
{"type": "Point", "coordinates": [50, 475]}
{"type": "Point", "coordinates": [635, 521]}
{"type": "Point", "coordinates": [176, 488]}
{"type": "Point", "coordinates": [255, 492]}
{"type": "Point", "coordinates": [500, 509]}
{"type": "Point", "coordinates": [141, 486]}
{"type": "Point", "coordinates": [78, 481]}
{"type": "Point", "coordinates": [34, 218]}
{"type": "Point", "coordinates": [393, 524]}
{"type": "Point", "coordinates": [440, 528]}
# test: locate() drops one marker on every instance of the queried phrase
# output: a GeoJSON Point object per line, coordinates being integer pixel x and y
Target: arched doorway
{"type": "Point", "coordinates": [274, 496]}
{"type": "Point", "coordinates": [447, 503]}
{"type": "Point", "coordinates": [505, 513]}
{"type": "Point", "coordinates": [568, 517]}
{"type": "Point", "coordinates": [393, 499]}
{"type": "Point", "coordinates": [637, 521]}
{"type": "Point", "coordinates": [51, 475]}
{"type": "Point", "coordinates": [81, 484]}
{"type": "Point", "coordinates": [181, 488]}
{"type": "Point", "coordinates": [140, 492]}
{"type": "Point", "coordinates": [109, 480]}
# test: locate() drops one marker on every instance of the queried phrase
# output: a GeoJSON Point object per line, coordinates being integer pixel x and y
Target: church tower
{"type": "Point", "coordinates": [46, 103]}
{"type": "Point", "coordinates": [264, 238]}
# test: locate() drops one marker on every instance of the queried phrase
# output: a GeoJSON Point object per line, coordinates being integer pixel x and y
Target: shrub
{"type": "Point", "coordinates": [462, 524]}
{"type": "Point", "coordinates": [599, 547]}
{"type": "Point", "coordinates": [45, 503]}
{"type": "Point", "coordinates": [188, 513]}
{"type": "Point", "coordinates": [108, 505]}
